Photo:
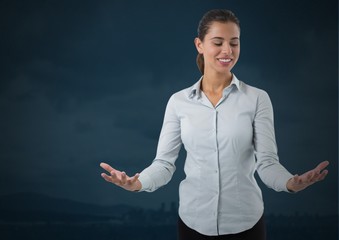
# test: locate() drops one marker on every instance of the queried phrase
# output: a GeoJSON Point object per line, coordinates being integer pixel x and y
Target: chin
{"type": "Point", "coordinates": [225, 70]}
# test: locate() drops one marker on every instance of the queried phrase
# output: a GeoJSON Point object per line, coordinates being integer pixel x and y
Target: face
{"type": "Point", "coordinates": [220, 47]}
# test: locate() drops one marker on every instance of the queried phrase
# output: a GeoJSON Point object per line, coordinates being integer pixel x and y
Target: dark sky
{"type": "Point", "coordinates": [88, 81]}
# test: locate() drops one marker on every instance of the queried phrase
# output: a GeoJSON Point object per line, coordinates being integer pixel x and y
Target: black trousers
{"type": "Point", "coordinates": [257, 232]}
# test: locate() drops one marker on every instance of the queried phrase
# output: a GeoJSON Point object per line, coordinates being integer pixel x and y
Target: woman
{"type": "Point", "coordinates": [227, 129]}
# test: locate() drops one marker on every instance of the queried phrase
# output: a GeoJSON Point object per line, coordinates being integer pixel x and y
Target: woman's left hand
{"type": "Point", "coordinates": [298, 183]}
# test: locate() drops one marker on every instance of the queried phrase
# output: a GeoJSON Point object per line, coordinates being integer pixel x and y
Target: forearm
{"type": "Point", "coordinates": [158, 174]}
{"type": "Point", "coordinates": [274, 175]}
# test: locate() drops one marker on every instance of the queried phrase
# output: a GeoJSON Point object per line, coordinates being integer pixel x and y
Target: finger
{"type": "Point", "coordinates": [106, 177]}
{"type": "Point", "coordinates": [322, 175]}
{"type": "Point", "coordinates": [313, 176]}
{"type": "Point", "coordinates": [310, 175]}
{"type": "Point", "coordinates": [322, 165]}
{"type": "Point", "coordinates": [318, 176]}
{"type": "Point", "coordinates": [115, 178]}
{"type": "Point", "coordinates": [114, 175]}
{"type": "Point", "coordinates": [133, 179]}
{"type": "Point", "coordinates": [107, 167]}
{"type": "Point", "coordinates": [123, 178]}
{"type": "Point", "coordinates": [136, 177]}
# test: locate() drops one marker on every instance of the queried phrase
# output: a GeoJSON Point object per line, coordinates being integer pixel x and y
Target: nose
{"type": "Point", "coordinates": [227, 49]}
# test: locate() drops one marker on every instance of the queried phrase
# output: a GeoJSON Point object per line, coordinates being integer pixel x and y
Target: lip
{"type": "Point", "coordinates": [225, 61]}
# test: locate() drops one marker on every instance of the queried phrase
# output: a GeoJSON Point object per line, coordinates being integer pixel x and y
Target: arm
{"type": "Point", "coordinates": [161, 170]}
{"type": "Point", "coordinates": [272, 173]}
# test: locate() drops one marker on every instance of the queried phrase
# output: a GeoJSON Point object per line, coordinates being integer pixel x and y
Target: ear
{"type": "Point", "coordinates": [198, 45]}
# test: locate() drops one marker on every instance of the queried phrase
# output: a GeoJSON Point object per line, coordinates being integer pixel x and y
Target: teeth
{"type": "Point", "coordinates": [224, 59]}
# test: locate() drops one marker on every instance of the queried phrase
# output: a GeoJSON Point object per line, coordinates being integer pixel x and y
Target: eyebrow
{"type": "Point", "coordinates": [220, 38]}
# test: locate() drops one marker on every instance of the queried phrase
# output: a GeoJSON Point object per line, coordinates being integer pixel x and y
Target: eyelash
{"type": "Point", "coordinates": [220, 44]}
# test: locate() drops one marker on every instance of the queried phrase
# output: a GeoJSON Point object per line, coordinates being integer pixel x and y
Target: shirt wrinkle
{"type": "Point", "coordinates": [225, 145]}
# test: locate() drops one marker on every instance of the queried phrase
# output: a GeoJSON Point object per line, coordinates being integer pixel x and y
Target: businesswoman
{"type": "Point", "coordinates": [227, 130]}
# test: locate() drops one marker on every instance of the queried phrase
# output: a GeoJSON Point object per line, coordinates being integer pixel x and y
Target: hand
{"type": "Point", "coordinates": [298, 183]}
{"type": "Point", "coordinates": [121, 179]}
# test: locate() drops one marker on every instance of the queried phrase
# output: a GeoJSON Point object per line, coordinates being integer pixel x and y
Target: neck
{"type": "Point", "coordinates": [215, 82]}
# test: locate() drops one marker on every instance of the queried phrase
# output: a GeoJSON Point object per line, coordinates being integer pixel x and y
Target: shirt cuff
{"type": "Point", "coordinates": [284, 183]}
{"type": "Point", "coordinates": [145, 181]}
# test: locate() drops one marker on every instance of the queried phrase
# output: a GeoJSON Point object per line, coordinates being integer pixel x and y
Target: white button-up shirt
{"type": "Point", "coordinates": [225, 145]}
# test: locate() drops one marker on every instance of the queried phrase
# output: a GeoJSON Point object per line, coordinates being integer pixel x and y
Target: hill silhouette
{"type": "Point", "coordinates": [36, 216]}
{"type": "Point", "coordinates": [39, 207]}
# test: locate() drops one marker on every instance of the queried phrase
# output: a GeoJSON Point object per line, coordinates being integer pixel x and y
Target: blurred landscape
{"type": "Point", "coordinates": [36, 216]}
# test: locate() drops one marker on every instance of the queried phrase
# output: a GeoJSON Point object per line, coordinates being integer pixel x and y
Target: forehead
{"type": "Point", "coordinates": [224, 30]}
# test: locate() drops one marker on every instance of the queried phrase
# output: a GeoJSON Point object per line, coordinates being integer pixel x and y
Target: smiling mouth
{"type": "Point", "coordinates": [225, 60]}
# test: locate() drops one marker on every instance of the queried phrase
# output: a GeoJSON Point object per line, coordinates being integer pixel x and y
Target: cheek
{"type": "Point", "coordinates": [212, 52]}
{"type": "Point", "coordinates": [236, 51]}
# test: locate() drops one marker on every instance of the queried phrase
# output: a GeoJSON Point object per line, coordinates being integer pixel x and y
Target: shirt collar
{"type": "Point", "coordinates": [195, 90]}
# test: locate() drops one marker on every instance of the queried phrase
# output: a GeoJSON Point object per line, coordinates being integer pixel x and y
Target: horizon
{"type": "Point", "coordinates": [162, 206]}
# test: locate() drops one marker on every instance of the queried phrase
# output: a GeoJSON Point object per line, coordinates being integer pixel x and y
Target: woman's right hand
{"type": "Point", "coordinates": [120, 178]}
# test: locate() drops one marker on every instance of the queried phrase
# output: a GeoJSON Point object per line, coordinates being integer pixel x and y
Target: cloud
{"type": "Point", "coordinates": [88, 83]}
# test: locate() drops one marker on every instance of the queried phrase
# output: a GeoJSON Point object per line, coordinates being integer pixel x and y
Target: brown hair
{"type": "Point", "coordinates": [215, 15]}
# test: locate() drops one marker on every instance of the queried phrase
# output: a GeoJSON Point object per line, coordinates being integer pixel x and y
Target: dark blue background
{"type": "Point", "coordinates": [88, 81]}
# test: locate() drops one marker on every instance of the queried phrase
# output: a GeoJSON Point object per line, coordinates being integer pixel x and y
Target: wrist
{"type": "Point", "coordinates": [137, 186]}
{"type": "Point", "coordinates": [289, 186]}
